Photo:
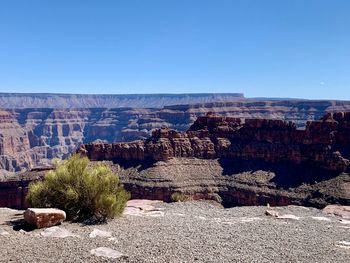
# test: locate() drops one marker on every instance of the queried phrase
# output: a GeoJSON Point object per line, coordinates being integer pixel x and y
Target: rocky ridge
{"type": "Point", "coordinates": [236, 162]}
{"type": "Point", "coordinates": [52, 100]}
{"type": "Point", "coordinates": [322, 143]}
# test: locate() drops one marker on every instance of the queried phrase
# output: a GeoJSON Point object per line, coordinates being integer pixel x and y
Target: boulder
{"type": "Point", "coordinates": [342, 211]}
{"type": "Point", "coordinates": [44, 217]}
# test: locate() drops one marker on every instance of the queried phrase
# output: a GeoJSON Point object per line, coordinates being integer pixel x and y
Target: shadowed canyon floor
{"type": "Point", "coordinates": [207, 179]}
{"type": "Point", "coordinates": [185, 232]}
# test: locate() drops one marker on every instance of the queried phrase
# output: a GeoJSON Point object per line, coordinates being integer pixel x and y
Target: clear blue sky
{"type": "Point", "coordinates": [270, 48]}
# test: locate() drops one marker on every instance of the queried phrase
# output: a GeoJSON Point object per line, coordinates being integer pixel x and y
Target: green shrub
{"type": "Point", "coordinates": [82, 190]}
{"type": "Point", "coordinates": [179, 197]}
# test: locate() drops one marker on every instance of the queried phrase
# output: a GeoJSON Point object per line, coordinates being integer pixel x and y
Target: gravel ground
{"type": "Point", "coordinates": [189, 232]}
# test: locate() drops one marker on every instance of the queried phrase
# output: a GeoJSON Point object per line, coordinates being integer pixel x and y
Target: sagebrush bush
{"type": "Point", "coordinates": [82, 190]}
{"type": "Point", "coordinates": [179, 197]}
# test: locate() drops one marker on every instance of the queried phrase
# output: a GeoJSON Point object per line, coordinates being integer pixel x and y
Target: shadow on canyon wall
{"type": "Point", "coordinates": [287, 174]}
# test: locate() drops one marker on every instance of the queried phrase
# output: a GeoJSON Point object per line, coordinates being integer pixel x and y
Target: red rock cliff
{"type": "Point", "coordinates": [323, 143]}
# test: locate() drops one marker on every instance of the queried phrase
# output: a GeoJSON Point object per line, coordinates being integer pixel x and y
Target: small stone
{"type": "Point", "coordinates": [4, 233]}
{"type": "Point", "coordinates": [142, 207]}
{"type": "Point", "coordinates": [292, 217]}
{"type": "Point", "coordinates": [343, 244]}
{"type": "Point", "coordinates": [343, 221]}
{"type": "Point", "coordinates": [271, 213]}
{"type": "Point", "coordinates": [44, 217]}
{"type": "Point", "coordinates": [100, 233]}
{"type": "Point", "coordinates": [250, 219]}
{"type": "Point", "coordinates": [57, 232]}
{"type": "Point", "coordinates": [106, 252]}
{"type": "Point", "coordinates": [321, 218]}
{"type": "Point", "coordinates": [342, 211]}
{"type": "Point", "coordinates": [23, 232]}
{"type": "Point", "coordinates": [113, 239]}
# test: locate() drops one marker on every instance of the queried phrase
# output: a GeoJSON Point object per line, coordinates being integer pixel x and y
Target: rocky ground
{"type": "Point", "coordinates": [183, 232]}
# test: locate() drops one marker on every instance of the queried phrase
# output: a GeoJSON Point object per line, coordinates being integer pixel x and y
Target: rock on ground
{"type": "Point", "coordinates": [106, 252]}
{"type": "Point", "coordinates": [338, 210]}
{"type": "Point", "coordinates": [100, 233]}
{"type": "Point", "coordinates": [44, 217]}
{"type": "Point", "coordinates": [57, 232]}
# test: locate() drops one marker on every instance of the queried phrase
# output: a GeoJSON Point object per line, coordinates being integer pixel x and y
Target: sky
{"type": "Point", "coordinates": [270, 48]}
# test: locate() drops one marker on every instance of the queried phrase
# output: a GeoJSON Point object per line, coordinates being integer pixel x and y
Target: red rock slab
{"type": "Point", "coordinates": [44, 217]}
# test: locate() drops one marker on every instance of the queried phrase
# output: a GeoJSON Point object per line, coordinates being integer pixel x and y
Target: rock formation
{"type": "Point", "coordinates": [238, 162]}
{"type": "Point", "coordinates": [32, 137]}
{"type": "Point", "coordinates": [322, 144]}
{"type": "Point", "coordinates": [229, 160]}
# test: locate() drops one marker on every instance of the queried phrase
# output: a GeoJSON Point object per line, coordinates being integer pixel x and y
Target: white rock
{"type": "Point", "coordinates": [100, 233]}
{"type": "Point", "coordinates": [106, 252]}
{"type": "Point", "coordinates": [154, 214]}
{"type": "Point", "coordinates": [4, 233]}
{"type": "Point", "coordinates": [343, 244]}
{"type": "Point", "coordinates": [142, 207]}
{"type": "Point", "coordinates": [293, 217]}
{"type": "Point", "coordinates": [179, 214]}
{"type": "Point", "coordinates": [344, 221]}
{"type": "Point", "coordinates": [249, 219]}
{"type": "Point", "coordinates": [57, 232]}
{"type": "Point", "coordinates": [345, 227]}
{"type": "Point", "coordinates": [271, 213]}
{"type": "Point", "coordinates": [23, 232]}
{"type": "Point", "coordinates": [321, 218]}
{"type": "Point", "coordinates": [113, 239]}
{"type": "Point", "coordinates": [138, 207]}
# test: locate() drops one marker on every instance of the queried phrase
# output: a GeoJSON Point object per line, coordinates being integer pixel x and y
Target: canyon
{"type": "Point", "coordinates": [32, 137]}
{"type": "Point", "coordinates": [238, 161]}
{"type": "Point", "coordinates": [229, 160]}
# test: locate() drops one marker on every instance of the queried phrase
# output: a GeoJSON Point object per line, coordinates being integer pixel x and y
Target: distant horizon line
{"type": "Point", "coordinates": [239, 95]}
{"type": "Point", "coordinates": [108, 94]}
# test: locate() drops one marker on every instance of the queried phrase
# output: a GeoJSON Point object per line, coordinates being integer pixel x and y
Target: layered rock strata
{"type": "Point", "coordinates": [322, 144]}
{"type": "Point", "coordinates": [51, 100]}
{"type": "Point", "coordinates": [228, 160]}
{"type": "Point", "coordinates": [238, 162]}
{"type": "Point", "coordinates": [32, 137]}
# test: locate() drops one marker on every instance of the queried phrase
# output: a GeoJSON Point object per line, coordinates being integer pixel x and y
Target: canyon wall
{"type": "Point", "coordinates": [229, 160]}
{"type": "Point", "coordinates": [32, 137]}
{"type": "Point", "coordinates": [238, 161]}
{"type": "Point", "coordinates": [323, 144]}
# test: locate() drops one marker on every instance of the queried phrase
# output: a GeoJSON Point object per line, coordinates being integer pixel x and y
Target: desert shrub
{"type": "Point", "coordinates": [179, 197]}
{"type": "Point", "coordinates": [82, 190]}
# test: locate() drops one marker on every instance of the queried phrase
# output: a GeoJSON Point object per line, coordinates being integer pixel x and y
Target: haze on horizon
{"type": "Point", "coordinates": [291, 48]}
